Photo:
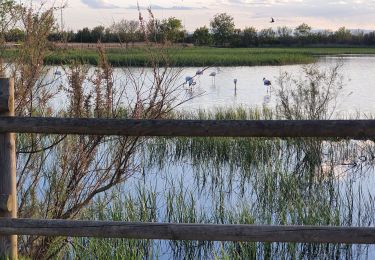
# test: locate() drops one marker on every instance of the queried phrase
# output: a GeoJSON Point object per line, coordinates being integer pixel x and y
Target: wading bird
{"type": "Point", "coordinates": [213, 75]}
{"type": "Point", "coordinates": [190, 81]}
{"type": "Point", "coordinates": [199, 72]}
{"type": "Point", "coordinates": [266, 83]}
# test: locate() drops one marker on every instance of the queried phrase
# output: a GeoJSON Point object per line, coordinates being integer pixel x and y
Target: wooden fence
{"type": "Point", "coordinates": [10, 226]}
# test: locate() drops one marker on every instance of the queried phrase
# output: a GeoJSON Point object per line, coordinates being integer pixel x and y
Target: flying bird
{"type": "Point", "coordinates": [272, 20]}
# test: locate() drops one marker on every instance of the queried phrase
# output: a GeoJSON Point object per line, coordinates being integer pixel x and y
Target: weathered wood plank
{"type": "Point", "coordinates": [209, 232]}
{"type": "Point", "coordinates": [8, 192]}
{"type": "Point", "coordinates": [234, 128]}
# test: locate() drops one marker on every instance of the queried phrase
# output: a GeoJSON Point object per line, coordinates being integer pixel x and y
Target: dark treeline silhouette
{"type": "Point", "coordinates": [222, 32]}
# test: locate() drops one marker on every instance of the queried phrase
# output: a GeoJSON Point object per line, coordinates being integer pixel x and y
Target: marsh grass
{"type": "Point", "coordinates": [241, 181]}
{"type": "Point", "coordinates": [198, 56]}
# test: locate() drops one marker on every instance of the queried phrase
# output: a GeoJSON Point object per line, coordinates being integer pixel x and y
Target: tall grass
{"type": "Point", "coordinates": [198, 56]}
{"type": "Point", "coordinates": [241, 181]}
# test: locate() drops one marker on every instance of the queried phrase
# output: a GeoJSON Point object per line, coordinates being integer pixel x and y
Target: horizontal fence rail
{"type": "Point", "coordinates": [209, 232]}
{"type": "Point", "coordinates": [230, 128]}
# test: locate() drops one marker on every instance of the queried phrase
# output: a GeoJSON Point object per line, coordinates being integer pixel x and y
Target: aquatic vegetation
{"type": "Point", "coordinates": [199, 56]}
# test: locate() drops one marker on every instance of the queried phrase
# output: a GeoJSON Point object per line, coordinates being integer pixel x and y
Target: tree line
{"type": "Point", "coordinates": [221, 32]}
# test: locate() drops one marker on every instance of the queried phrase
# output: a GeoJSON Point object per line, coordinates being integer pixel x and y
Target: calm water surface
{"type": "Point", "coordinates": [357, 95]}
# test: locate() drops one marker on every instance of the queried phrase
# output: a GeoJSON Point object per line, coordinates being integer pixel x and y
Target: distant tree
{"type": "Point", "coordinates": [222, 27]}
{"type": "Point", "coordinates": [83, 35]}
{"type": "Point", "coordinates": [153, 30]}
{"type": "Point", "coordinates": [284, 35]}
{"type": "Point", "coordinates": [358, 37]}
{"type": "Point", "coordinates": [323, 37]}
{"type": "Point", "coordinates": [15, 35]}
{"type": "Point", "coordinates": [303, 33]}
{"type": "Point", "coordinates": [369, 38]}
{"type": "Point", "coordinates": [109, 36]}
{"type": "Point", "coordinates": [7, 16]}
{"type": "Point", "coordinates": [267, 36]}
{"type": "Point", "coordinates": [343, 35]}
{"type": "Point", "coordinates": [126, 30]}
{"type": "Point", "coordinates": [249, 37]}
{"type": "Point", "coordinates": [302, 30]}
{"type": "Point", "coordinates": [202, 36]}
{"type": "Point", "coordinates": [236, 39]}
{"type": "Point", "coordinates": [97, 33]}
{"type": "Point", "coordinates": [171, 30]}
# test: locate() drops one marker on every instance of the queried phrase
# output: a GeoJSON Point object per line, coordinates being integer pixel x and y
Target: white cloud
{"type": "Point", "coordinates": [99, 4]}
{"type": "Point", "coordinates": [330, 14]}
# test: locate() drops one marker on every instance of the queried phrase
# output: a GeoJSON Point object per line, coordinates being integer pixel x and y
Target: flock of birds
{"type": "Point", "coordinates": [189, 80]}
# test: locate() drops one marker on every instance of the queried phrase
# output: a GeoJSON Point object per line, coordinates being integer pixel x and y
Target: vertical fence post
{"type": "Point", "coordinates": [8, 198]}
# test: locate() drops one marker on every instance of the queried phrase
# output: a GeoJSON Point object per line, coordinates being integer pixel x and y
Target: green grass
{"type": "Point", "coordinates": [200, 56]}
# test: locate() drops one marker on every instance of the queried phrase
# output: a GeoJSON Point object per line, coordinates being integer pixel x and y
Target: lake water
{"type": "Point", "coordinates": [357, 95]}
{"type": "Point", "coordinates": [216, 188]}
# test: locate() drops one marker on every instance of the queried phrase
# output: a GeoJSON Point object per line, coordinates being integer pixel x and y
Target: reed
{"type": "Point", "coordinates": [198, 56]}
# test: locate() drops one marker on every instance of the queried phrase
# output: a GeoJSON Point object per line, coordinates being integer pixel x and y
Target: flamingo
{"type": "Point", "coordinates": [267, 83]}
{"type": "Point", "coordinates": [213, 75]}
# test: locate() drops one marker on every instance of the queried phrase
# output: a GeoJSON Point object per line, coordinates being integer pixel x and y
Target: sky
{"type": "Point", "coordinates": [320, 14]}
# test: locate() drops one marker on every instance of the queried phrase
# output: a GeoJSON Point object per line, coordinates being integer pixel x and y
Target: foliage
{"type": "Point", "coordinates": [58, 176]}
{"type": "Point", "coordinates": [202, 36]}
{"type": "Point", "coordinates": [126, 31]}
{"type": "Point", "coordinates": [250, 37]}
{"type": "Point", "coordinates": [311, 96]}
{"type": "Point", "coordinates": [171, 30]}
{"type": "Point", "coordinates": [222, 27]}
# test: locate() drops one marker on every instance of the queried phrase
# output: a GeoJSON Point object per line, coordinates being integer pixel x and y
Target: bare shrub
{"type": "Point", "coordinates": [58, 176]}
{"type": "Point", "coordinates": [312, 95]}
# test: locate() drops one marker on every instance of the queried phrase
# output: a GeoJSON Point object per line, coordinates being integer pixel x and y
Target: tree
{"type": "Point", "coordinates": [250, 37]}
{"type": "Point", "coordinates": [285, 35]}
{"type": "Point", "coordinates": [303, 32]}
{"type": "Point", "coordinates": [222, 27]}
{"type": "Point", "coordinates": [126, 30]}
{"type": "Point", "coordinates": [236, 39]}
{"type": "Point", "coordinates": [83, 35]}
{"type": "Point", "coordinates": [202, 36]}
{"type": "Point", "coordinates": [15, 35]}
{"type": "Point", "coordinates": [343, 35]}
{"type": "Point", "coordinates": [171, 30]}
{"type": "Point", "coordinates": [267, 36]}
{"type": "Point", "coordinates": [8, 18]}
{"type": "Point", "coordinates": [369, 38]}
{"type": "Point", "coordinates": [97, 33]}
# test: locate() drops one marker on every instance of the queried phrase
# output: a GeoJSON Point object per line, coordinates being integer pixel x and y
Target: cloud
{"type": "Point", "coordinates": [159, 7]}
{"type": "Point", "coordinates": [99, 4]}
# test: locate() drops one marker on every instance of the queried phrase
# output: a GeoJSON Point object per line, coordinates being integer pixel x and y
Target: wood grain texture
{"type": "Point", "coordinates": [8, 244]}
{"type": "Point", "coordinates": [232, 128]}
{"type": "Point", "coordinates": [170, 231]}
